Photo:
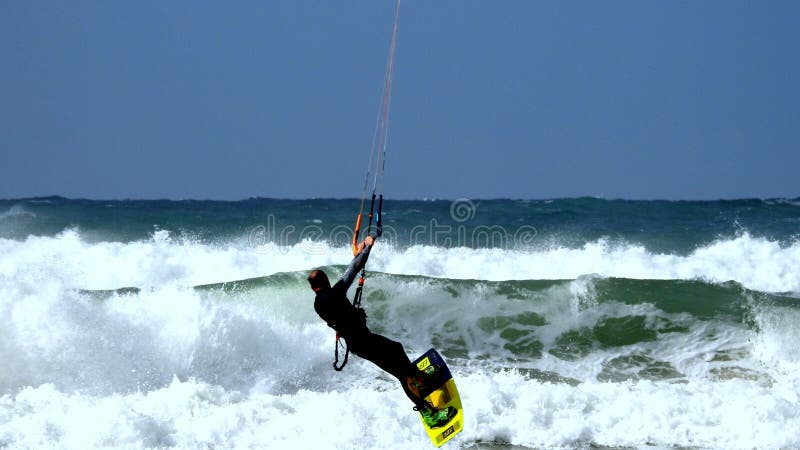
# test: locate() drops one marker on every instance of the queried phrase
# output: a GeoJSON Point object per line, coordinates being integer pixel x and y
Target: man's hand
{"type": "Point", "coordinates": [368, 241]}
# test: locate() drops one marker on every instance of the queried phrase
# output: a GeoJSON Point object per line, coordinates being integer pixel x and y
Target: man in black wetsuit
{"type": "Point", "coordinates": [333, 306]}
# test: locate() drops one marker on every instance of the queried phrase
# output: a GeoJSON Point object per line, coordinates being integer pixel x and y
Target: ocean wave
{"type": "Point", "coordinates": [593, 361]}
{"type": "Point", "coordinates": [16, 210]}
{"type": "Point", "coordinates": [187, 339]}
{"type": "Point", "coordinates": [757, 263]}
{"type": "Point", "coordinates": [162, 259]}
{"type": "Point", "coordinates": [160, 324]}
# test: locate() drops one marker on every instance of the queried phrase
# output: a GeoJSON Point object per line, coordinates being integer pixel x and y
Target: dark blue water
{"type": "Point", "coordinates": [660, 226]}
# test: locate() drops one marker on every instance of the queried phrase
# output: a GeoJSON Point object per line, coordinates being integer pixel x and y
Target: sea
{"type": "Point", "coordinates": [577, 323]}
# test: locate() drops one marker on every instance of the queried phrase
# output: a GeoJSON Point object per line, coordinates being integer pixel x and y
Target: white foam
{"type": "Point", "coordinates": [757, 263]}
{"type": "Point", "coordinates": [500, 408]}
{"type": "Point", "coordinates": [53, 334]}
{"type": "Point", "coordinates": [154, 262]}
{"type": "Point", "coordinates": [777, 344]}
{"type": "Point", "coordinates": [737, 414]}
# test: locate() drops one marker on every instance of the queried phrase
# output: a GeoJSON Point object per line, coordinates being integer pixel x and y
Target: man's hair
{"type": "Point", "coordinates": [318, 279]}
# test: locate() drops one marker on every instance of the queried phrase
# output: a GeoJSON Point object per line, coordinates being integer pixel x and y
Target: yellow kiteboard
{"type": "Point", "coordinates": [439, 389]}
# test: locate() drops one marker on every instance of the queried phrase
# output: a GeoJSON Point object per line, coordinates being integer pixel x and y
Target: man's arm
{"type": "Point", "coordinates": [358, 262]}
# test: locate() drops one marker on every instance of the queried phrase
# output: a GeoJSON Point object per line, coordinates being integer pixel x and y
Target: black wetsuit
{"type": "Point", "coordinates": [350, 322]}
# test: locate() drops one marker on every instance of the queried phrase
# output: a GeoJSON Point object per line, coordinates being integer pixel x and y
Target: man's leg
{"type": "Point", "coordinates": [390, 356]}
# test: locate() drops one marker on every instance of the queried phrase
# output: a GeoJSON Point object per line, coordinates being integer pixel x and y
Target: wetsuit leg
{"type": "Point", "coordinates": [390, 356]}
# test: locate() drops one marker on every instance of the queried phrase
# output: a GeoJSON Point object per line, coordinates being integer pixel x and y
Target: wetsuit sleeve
{"type": "Point", "coordinates": [355, 265]}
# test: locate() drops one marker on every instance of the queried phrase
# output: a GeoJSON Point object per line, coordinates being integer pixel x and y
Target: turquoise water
{"type": "Point", "coordinates": [568, 323]}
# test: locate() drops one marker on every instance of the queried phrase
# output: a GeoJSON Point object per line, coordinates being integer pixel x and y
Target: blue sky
{"type": "Point", "coordinates": [521, 99]}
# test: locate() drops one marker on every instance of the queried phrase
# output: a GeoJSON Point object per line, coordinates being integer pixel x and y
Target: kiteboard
{"type": "Point", "coordinates": [439, 389]}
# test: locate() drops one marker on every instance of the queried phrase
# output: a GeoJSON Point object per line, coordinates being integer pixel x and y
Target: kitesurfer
{"type": "Point", "coordinates": [333, 306]}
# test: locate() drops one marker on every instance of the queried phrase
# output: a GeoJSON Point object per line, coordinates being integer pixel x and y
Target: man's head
{"type": "Point", "coordinates": [318, 280]}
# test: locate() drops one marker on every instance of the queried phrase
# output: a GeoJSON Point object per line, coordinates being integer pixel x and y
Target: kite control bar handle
{"type": "Point", "coordinates": [378, 223]}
